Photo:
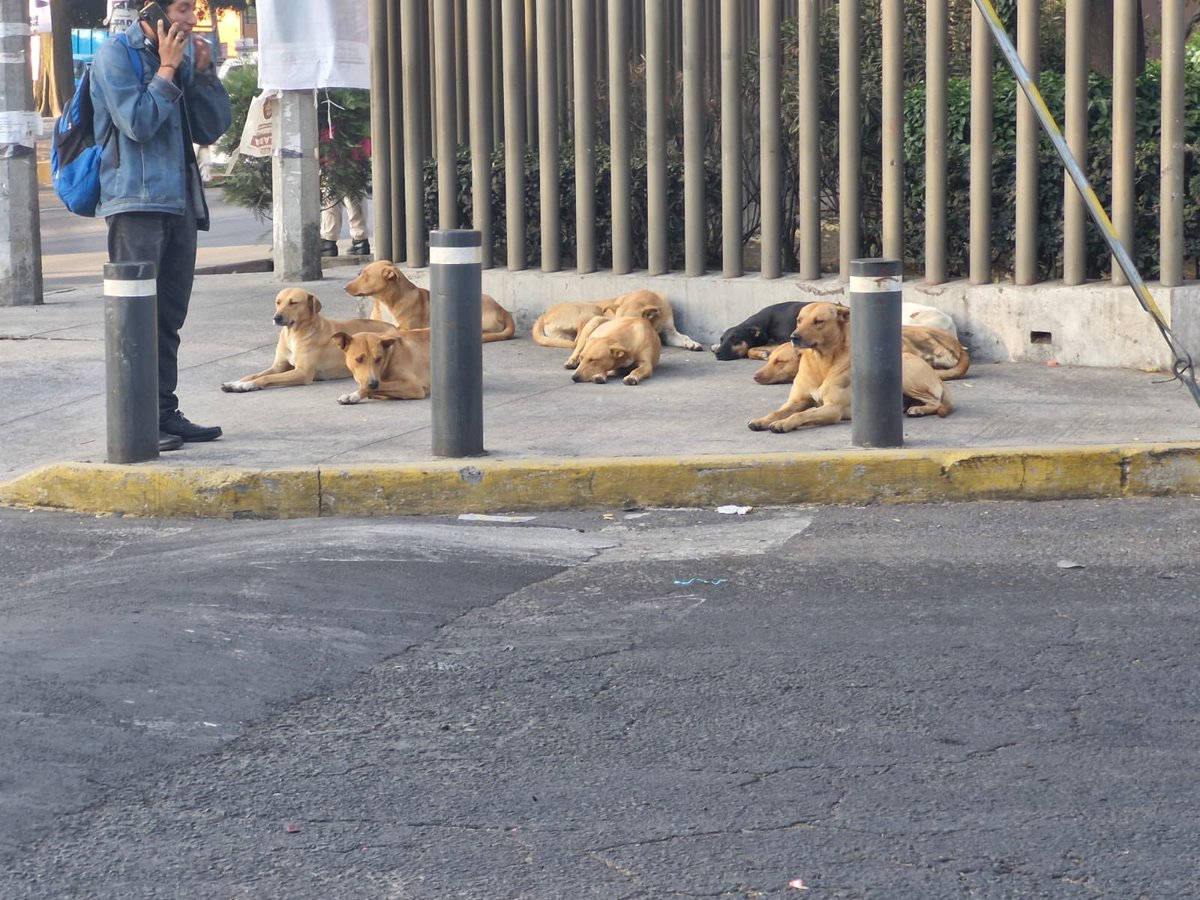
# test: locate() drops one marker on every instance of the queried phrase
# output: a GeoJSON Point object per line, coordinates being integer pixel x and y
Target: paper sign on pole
{"type": "Point", "coordinates": [308, 44]}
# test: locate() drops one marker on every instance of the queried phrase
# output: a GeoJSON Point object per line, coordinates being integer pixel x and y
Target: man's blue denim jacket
{"type": "Point", "coordinates": [144, 167]}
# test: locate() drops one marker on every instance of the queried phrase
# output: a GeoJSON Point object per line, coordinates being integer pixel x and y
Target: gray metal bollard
{"type": "Point", "coordinates": [877, 405]}
{"type": "Point", "coordinates": [456, 378]}
{"type": "Point", "coordinates": [131, 360]}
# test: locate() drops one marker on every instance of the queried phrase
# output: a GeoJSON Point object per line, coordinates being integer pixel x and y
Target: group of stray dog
{"type": "Point", "coordinates": [805, 342]}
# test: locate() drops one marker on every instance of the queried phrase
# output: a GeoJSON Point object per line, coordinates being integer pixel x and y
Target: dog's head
{"type": "Point", "coordinates": [599, 358]}
{"type": "Point", "coordinates": [737, 341]}
{"type": "Point", "coordinates": [640, 304]}
{"type": "Point", "coordinates": [367, 356]}
{"type": "Point", "coordinates": [781, 366]}
{"type": "Point", "coordinates": [375, 278]}
{"type": "Point", "coordinates": [295, 306]}
{"type": "Point", "coordinates": [821, 325]}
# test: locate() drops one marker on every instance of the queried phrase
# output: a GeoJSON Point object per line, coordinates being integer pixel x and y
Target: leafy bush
{"type": "Point", "coordinates": [344, 125]}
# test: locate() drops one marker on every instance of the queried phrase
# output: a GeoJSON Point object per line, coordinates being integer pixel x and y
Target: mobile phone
{"type": "Point", "coordinates": [152, 14]}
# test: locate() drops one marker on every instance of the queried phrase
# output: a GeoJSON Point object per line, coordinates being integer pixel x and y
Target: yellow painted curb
{"type": "Point", "coordinates": [449, 487]}
{"type": "Point", "coordinates": [158, 490]}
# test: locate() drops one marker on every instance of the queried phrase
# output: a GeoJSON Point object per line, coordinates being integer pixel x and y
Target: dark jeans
{"type": "Point", "coordinates": [170, 243]}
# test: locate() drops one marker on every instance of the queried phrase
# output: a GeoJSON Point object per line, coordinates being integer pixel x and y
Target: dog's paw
{"type": "Point", "coordinates": [349, 399]}
{"type": "Point", "coordinates": [689, 344]}
{"type": "Point", "coordinates": [238, 387]}
{"type": "Point", "coordinates": [781, 427]}
{"type": "Point", "coordinates": [758, 424]}
{"type": "Point", "coordinates": [571, 364]}
{"type": "Point", "coordinates": [631, 379]}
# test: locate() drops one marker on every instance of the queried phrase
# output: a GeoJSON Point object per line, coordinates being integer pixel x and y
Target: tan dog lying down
{"type": "Point", "coordinates": [608, 346]}
{"type": "Point", "coordinates": [306, 351]}
{"type": "Point", "coordinates": [386, 367]}
{"type": "Point", "coordinates": [559, 326]}
{"type": "Point", "coordinates": [821, 392]}
{"type": "Point", "coordinates": [399, 301]}
{"type": "Point", "coordinates": [939, 348]}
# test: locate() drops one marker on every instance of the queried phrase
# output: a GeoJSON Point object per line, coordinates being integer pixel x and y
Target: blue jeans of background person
{"type": "Point", "coordinates": [169, 242]}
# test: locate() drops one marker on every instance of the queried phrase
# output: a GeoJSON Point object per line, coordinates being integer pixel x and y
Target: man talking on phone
{"type": "Point", "coordinates": [151, 193]}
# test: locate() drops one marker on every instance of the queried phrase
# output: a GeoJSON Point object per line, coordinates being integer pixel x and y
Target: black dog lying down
{"type": "Point", "coordinates": [769, 326]}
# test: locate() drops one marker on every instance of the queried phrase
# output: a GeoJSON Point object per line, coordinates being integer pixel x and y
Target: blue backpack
{"type": "Point", "coordinates": [74, 154]}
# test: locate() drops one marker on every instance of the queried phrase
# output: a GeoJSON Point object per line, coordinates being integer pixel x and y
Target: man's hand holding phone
{"type": "Point", "coordinates": [171, 44]}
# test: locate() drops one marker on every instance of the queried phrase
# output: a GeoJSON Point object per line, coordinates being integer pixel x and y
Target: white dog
{"type": "Point", "coordinates": [919, 314]}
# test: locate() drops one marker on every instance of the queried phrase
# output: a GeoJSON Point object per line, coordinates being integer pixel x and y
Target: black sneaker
{"type": "Point", "coordinates": [329, 248]}
{"type": "Point", "coordinates": [178, 424]}
{"type": "Point", "coordinates": [168, 442]}
{"type": "Point", "coordinates": [360, 248]}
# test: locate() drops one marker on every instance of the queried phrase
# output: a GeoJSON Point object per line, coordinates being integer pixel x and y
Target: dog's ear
{"type": "Point", "coordinates": [390, 272]}
{"type": "Point", "coordinates": [756, 333]}
{"type": "Point", "coordinates": [314, 305]}
{"type": "Point", "coordinates": [619, 355]}
{"type": "Point", "coordinates": [341, 339]}
{"type": "Point", "coordinates": [387, 343]}
{"type": "Point", "coordinates": [653, 313]}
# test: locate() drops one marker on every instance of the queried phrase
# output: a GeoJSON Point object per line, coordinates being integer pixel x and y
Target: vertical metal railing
{"type": "Point", "coordinates": [480, 25]}
{"type": "Point", "coordinates": [982, 110]}
{"type": "Point", "coordinates": [513, 27]}
{"type": "Point", "coordinates": [731, 138]}
{"type": "Point", "coordinates": [394, 142]}
{"type": "Point", "coordinates": [937, 29]}
{"type": "Point", "coordinates": [769, 91]}
{"type": "Point", "coordinates": [893, 129]}
{"type": "Point", "coordinates": [1125, 36]}
{"type": "Point", "coordinates": [585, 138]}
{"type": "Point", "coordinates": [808, 70]}
{"type": "Point", "coordinates": [548, 181]}
{"type": "Point", "coordinates": [1028, 136]}
{"type": "Point", "coordinates": [849, 133]}
{"type": "Point", "coordinates": [411, 31]}
{"type": "Point", "coordinates": [619, 76]}
{"type": "Point", "coordinates": [1075, 90]}
{"type": "Point", "coordinates": [656, 136]}
{"type": "Point", "coordinates": [1170, 228]}
{"type": "Point", "coordinates": [694, 56]}
{"type": "Point", "coordinates": [618, 142]}
{"type": "Point", "coordinates": [445, 98]}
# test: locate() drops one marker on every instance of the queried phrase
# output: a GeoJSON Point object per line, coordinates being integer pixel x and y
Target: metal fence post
{"type": "Point", "coordinates": [131, 360]}
{"type": "Point", "coordinates": [456, 375]}
{"type": "Point", "coordinates": [877, 403]}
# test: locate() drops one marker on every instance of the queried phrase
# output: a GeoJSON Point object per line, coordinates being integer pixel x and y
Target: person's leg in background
{"type": "Point", "coordinates": [358, 227]}
{"type": "Point", "coordinates": [331, 229]}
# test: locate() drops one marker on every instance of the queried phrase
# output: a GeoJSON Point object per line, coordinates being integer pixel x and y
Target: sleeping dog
{"type": "Point", "coordinates": [768, 327]}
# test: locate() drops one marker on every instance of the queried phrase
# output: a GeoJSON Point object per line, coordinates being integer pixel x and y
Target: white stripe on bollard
{"type": "Point", "coordinates": [872, 284]}
{"type": "Point", "coordinates": [145, 287]}
{"type": "Point", "coordinates": [455, 256]}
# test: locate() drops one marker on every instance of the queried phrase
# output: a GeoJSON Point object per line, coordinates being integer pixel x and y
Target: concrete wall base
{"type": "Point", "coordinates": [1095, 324]}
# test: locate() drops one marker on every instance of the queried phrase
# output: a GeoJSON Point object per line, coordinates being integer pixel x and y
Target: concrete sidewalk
{"type": "Point", "coordinates": [1021, 430]}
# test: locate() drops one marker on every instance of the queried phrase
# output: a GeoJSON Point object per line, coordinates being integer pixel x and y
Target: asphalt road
{"type": "Point", "coordinates": [973, 700]}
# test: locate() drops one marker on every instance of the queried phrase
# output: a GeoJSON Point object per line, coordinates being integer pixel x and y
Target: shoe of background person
{"type": "Point", "coordinates": [178, 424]}
{"type": "Point", "coordinates": [329, 248]}
{"type": "Point", "coordinates": [360, 248]}
{"type": "Point", "coordinates": [168, 442]}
